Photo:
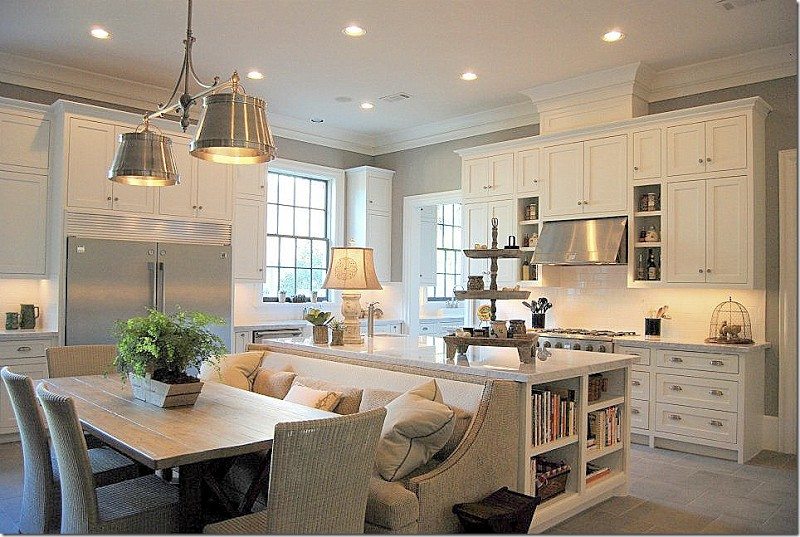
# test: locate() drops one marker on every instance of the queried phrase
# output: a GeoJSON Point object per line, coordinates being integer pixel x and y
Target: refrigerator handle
{"type": "Point", "coordinates": [151, 266]}
{"type": "Point", "coordinates": [161, 287]}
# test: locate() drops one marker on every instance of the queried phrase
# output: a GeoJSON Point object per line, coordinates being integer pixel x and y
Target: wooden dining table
{"type": "Point", "coordinates": [224, 422]}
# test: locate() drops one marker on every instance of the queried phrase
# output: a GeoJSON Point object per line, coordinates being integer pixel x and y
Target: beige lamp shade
{"type": "Point", "coordinates": [351, 269]}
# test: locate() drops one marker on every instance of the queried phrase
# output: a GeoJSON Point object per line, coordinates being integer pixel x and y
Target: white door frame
{"type": "Point", "coordinates": [787, 301]}
{"type": "Point", "coordinates": [411, 254]}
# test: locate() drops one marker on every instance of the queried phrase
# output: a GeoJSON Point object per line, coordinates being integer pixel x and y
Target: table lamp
{"type": "Point", "coordinates": [351, 269]}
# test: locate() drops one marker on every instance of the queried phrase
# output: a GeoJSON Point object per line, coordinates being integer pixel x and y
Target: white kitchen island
{"type": "Point", "coordinates": [564, 369]}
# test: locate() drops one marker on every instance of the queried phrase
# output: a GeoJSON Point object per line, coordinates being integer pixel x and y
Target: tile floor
{"type": "Point", "coordinates": [670, 493]}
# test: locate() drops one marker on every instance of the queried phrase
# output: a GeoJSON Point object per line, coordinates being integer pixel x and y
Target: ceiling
{"type": "Point", "coordinates": [415, 46]}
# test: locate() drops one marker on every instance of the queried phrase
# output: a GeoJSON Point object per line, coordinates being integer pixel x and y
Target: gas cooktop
{"type": "Point", "coordinates": [585, 332]}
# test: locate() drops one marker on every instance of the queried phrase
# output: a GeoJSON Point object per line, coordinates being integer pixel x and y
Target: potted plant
{"type": "Point", "coordinates": [337, 332]}
{"type": "Point", "coordinates": [155, 351]}
{"type": "Point", "coordinates": [320, 320]}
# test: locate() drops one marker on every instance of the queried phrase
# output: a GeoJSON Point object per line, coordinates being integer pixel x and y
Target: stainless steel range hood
{"type": "Point", "coordinates": [599, 241]}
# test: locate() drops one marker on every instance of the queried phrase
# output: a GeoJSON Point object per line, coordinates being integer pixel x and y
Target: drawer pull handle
{"type": "Point", "coordinates": [634, 411]}
{"type": "Point", "coordinates": [717, 393]}
{"type": "Point", "coordinates": [717, 362]}
{"type": "Point", "coordinates": [24, 348]}
{"type": "Point", "coordinates": [636, 383]}
{"type": "Point", "coordinates": [676, 360]}
{"type": "Point", "coordinates": [676, 388]}
{"type": "Point", "coordinates": [715, 423]}
{"type": "Point", "coordinates": [675, 417]}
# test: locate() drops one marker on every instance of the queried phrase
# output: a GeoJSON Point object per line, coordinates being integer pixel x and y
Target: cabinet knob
{"type": "Point", "coordinates": [636, 383]}
{"type": "Point", "coordinates": [700, 271]}
{"type": "Point", "coordinates": [676, 360]}
{"type": "Point", "coordinates": [580, 203]}
{"type": "Point", "coordinates": [194, 206]}
{"type": "Point", "coordinates": [676, 388]}
{"type": "Point", "coordinates": [200, 207]}
{"type": "Point", "coordinates": [116, 199]}
{"type": "Point", "coordinates": [708, 270]}
{"type": "Point", "coordinates": [261, 270]}
{"type": "Point", "coordinates": [371, 201]}
{"type": "Point", "coordinates": [484, 187]}
{"type": "Point", "coordinates": [715, 423]}
{"type": "Point", "coordinates": [700, 161]}
{"type": "Point", "coordinates": [716, 393]}
{"type": "Point", "coordinates": [488, 186]}
{"type": "Point", "coordinates": [109, 198]}
{"type": "Point", "coordinates": [717, 362]}
{"type": "Point", "coordinates": [585, 202]}
{"type": "Point", "coordinates": [261, 186]}
{"type": "Point", "coordinates": [675, 417]}
{"type": "Point", "coordinates": [636, 168]}
{"type": "Point", "coordinates": [634, 411]}
{"type": "Point", "coordinates": [24, 348]}
{"type": "Point", "coordinates": [708, 159]}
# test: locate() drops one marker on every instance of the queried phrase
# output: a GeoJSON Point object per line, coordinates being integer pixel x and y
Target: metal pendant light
{"type": "Point", "coordinates": [144, 159]}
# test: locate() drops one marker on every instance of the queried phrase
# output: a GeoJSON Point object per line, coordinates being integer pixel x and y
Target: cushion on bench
{"type": "Point", "coordinates": [391, 505]}
{"type": "Point", "coordinates": [350, 396]}
{"type": "Point", "coordinates": [273, 383]}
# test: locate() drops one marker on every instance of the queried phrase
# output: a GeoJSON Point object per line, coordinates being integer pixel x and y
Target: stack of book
{"type": "Point", "coordinates": [605, 428]}
{"type": "Point", "coordinates": [594, 472]}
{"type": "Point", "coordinates": [553, 414]}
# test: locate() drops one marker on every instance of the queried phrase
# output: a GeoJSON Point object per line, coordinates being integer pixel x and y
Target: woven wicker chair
{"type": "Point", "coordinates": [40, 491]}
{"type": "Point", "coordinates": [319, 479]}
{"type": "Point", "coordinates": [141, 505]}
{"type": "Point", "coordinates": [79, 360]}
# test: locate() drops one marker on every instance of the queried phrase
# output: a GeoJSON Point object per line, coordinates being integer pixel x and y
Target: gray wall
{"type": "Point", "coordinates": [781, 133]}
{"type": "Point", "coordinates": [433, 168]}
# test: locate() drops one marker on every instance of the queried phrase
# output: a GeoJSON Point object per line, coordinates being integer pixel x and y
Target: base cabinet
{"type": "Point", "coordinates": [26, 357]}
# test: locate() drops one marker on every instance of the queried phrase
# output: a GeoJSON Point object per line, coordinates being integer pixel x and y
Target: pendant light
{"type": "Point", "coordinates": [233, 129]}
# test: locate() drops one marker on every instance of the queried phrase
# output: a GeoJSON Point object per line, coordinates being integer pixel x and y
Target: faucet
{"type": "Point", "coordinates": [371, 319]}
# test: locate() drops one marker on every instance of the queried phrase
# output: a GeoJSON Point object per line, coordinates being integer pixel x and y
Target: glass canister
{"type": "Point", "coordinates": [475, 283]}
{"type": "Point", "coordinates": [516, 328]}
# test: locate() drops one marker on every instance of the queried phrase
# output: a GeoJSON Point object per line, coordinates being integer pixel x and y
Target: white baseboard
{"type": "Point", "coordinates": [769, 433]}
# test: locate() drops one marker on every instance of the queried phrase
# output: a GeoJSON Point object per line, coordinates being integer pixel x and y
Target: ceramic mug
{"type": "Point", "coordinates": [499, 329]}
{"type": "Point", "coordinates": [28, 315]}
{"type": "Point", "coordinates": [12, 320]}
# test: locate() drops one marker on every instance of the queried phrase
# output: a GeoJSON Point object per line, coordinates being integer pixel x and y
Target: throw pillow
{"type": "Point", "coordinates": [273, 383]}
{"type": "Point", "coordinates": [321, 399]}
{"type": "Point", "coordinates": [462, 420]}
{"type": "Point", "coordinates": [235, 370]}
{"type": "Point", "coordinates": [415, 428]}
{"type": "Point", "coordinates": [350, 397]}
{"type": "Point", "coordinates": [373, 399]}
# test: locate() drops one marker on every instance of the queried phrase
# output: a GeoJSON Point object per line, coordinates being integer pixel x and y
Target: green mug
{"type": "Point", "coordinates": [12, 320]}
{"type": "Point", "coordinates": [28, 315]}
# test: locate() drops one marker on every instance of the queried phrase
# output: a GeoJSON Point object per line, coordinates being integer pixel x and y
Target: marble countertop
{"type": "Point", "coordinates": [490, 362]}
{"type": "Point", "coordinates": [683, 344]}
{"type": "Point", "coordinates": [300, 323]}
{"type": "Point", "coordinates": [19, 335]}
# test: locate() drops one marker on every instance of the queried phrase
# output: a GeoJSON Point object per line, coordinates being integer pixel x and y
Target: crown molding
{"type": "Point", "coordinates": [321, 134]}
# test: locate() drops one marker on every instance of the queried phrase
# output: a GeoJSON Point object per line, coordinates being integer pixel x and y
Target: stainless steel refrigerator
{"type": "Point", "coordinates": [109, 280]}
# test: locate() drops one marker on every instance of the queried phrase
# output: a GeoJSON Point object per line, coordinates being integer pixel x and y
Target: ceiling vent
{"type": "Point", "coordinates": [395, 97]}
{"type": "Point", "coordinates": [728, 5]}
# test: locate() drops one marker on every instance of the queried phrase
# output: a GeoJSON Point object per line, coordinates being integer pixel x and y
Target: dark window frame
{"type": "Point", "coordinates": [444, 225]}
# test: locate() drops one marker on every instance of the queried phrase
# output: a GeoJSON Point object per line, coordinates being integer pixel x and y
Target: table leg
{"type": "Point", "coordinates": [189, 480]}
{"type": "Point", "coordinates": [526, 354]}
{"type": "Point", "coordinates": [451, 350]}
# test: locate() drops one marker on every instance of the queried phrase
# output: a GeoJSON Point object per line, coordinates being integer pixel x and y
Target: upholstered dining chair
{"type": "Point", "coordinates": [40, 511]}
{"type": "Point", "coordinates": [142, 505]}
{"type": "Point", "coordinates": [319, 478]}
{"type": "Point", "coordinates": [79, 360]}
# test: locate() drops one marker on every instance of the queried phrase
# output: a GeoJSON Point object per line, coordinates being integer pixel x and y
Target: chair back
{"type": "Point", "coordinates": [79, 360]}
{"type": "Point", "coordinates": [78, 498]}
{"type": "Point", "coordinates": [320, 474]}
{"type": "Point", "coordinates": [40, 509]}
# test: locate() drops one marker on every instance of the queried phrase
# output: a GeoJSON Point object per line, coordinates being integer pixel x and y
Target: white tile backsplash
{"type": "Point", "coordinates": [14, 291]}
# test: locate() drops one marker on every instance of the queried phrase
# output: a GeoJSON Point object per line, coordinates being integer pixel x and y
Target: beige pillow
{"type": "Point", "coordinates": [462, 420]}
{"type": "Point", "coordinates": [415, 428]}
{"type": "Point", "coordinates": [273, 383]}
{"type": "Point", "coordinates": [235, 370]}
{"type": "Point", "coordinates": [373, 399]}
{"type": "Point", "coordinates": [321, 399]}
{"type": "Point", "coordinates": [350, 397]}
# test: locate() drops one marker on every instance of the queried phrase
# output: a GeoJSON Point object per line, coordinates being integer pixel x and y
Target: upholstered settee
{"type": "Point", "coordinates": [480, 458]}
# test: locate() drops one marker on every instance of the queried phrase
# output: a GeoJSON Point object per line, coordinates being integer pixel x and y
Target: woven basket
{"type": "Point", "coordinates": [552, 480]}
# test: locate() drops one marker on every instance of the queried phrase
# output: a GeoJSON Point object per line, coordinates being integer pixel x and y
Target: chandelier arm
{"type": "Point", "coordinates": [161, 111]}
{"type": "Point", "coordinates": [197, 79]}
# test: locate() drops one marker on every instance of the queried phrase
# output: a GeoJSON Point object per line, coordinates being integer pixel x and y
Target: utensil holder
{"type": "Point", "coordinates": [537, 320]}
{"type": "Point", "coordinates": [652, 327]}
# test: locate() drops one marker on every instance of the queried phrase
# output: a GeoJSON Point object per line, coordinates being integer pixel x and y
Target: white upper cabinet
{"type": "Point", "coordinates": [379, 192]}
{"type": "Point", "coordinates": [488, 176]}
{"type": "Point", "coordinates": [505, 213]}
{"type": "Point", "coordinates": [23, 223]}
{"type": "Point", "coordinates": [379, 227]}
{"type": "Point", "coordinates": [369, 216]}
{"type": "Point", "coordinates": [214, 191]}
{"type": "Point", "coordinates": [528, 178]}
{"type": "Point", "coordinates": [427, 246]}
{"type": "Point", "coordinates": [562, 168]}
{"type": "Point", "coordinates": [605, 185]}
{"type": "Point", "coordinates": [178, 200]}
{"type": "Point", "coordinates": [91, 149]}
{"type": "Point", "coordinates": [250, 181]}
{"type": "Point", "coordinates": [708, 146]}
{"type": "Point", "coordinates": [248, 241]}
{"type": "Point", "coordinates": [686, 227]}
{"type": "Point", "coordinates": [647, 154]}
{"type": "Point", "coordinates": [24, 141]}
{"type": "Point", "coordinates": [475, 217]}
{"type": "Point", "coordinates": [130, 198]}
{"type": "Point", "coordinates": [501, 175]}
{"type": "Point", "coordinates": [475, 177]}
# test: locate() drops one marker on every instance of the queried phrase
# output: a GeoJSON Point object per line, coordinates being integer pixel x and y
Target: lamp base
{"type": "Point", "coordinates": [351, 308]}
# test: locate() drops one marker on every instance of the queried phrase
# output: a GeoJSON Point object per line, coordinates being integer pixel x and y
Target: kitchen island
{"type": "Point", "coordinates": [565, 373]}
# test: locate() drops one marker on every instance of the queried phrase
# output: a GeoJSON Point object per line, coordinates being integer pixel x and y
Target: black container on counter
{"type": "Point", "coordinates": [652, 327]}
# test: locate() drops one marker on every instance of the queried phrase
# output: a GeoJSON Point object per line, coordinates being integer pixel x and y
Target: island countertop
{"type": "Point", "coordinates": [490, 362]}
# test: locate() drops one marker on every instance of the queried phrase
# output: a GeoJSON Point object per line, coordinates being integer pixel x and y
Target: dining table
{"type": "Point", "coordinates": [225, 422]}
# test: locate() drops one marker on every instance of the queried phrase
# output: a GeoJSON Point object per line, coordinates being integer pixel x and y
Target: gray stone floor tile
{"type": "Point", "coordinates": [709, 463]}
{"type": "Point", "coordinates": [727, 504]}
{"type": "Point", "coordinates": [727, 483]}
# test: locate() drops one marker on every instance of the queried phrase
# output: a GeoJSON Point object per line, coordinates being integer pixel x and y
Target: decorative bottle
{"type": "Point", "coordinates": [641, 270]}
{"type": "Point", "coordinates": [652, 269]}
{"type": "Point", "coordinates": [526, 270]}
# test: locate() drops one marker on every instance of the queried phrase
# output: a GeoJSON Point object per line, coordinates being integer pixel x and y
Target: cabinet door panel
{"type": "Point", "coordinates": [379, 238]}
{"type": "Point", "coordinates": [91, 149]}
{"type": "Point", "coordinates": [24, 141]}
{"type": "Point", "coordinates": [726, 144]}
{"type": "Point", "coordinates": [501, 175]}
{"type": "Point", "coordinates": [563, 172]}
{"type": "Point", "coordinates": [249, 240]}
{"type": "Point", "coordinates": [528, 179]}
{"type": "Point", "coordinates": [427, 246]}
{"type": "Point", "coordinates": [476, 223]}
{"type": "Point", "coordinates": [214, 191]}
{"type": "Point", "coordinates": [23, 223]}
{"type": "Point", "coordinates": [686, 149]}
{"type": "Point", "coordinates": [686, 232]}
{"type": "Point", "coordinates": [35, 368]}
{"type": "Point", "coordinates": [647, 154]}
{"type": "Point", "coordinates": [128, 198]}
{"type": "Point", "coordinates": [727, 219]}
{"type": "Point", "coordinates": [475, 177]}
{"type": "Point", "coordinates": [605, 180]}
{"type": "Point", "coordinates": [179, 200]}
{"type": "Point", "coordinates": [507, 271]}
{"type": "Point", "coordinates": [379, 193]}
{"type": "Point", "coordinates": [250, 180]}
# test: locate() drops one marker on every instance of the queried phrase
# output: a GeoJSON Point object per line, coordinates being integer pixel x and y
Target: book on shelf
{"type": "Point", "coordinates": [595, 472]}
{"type": "Point", "coordinates": [554, 416]}
{"type": "Point", "coordinates": [605, 428]}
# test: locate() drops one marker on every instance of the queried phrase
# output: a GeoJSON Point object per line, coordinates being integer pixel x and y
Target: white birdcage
{"type": "Point", "coordinates": [730, 323]}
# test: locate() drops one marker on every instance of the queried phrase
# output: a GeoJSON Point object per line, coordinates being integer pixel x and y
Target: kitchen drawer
{"type": "Point", "coordinates": [640, 415]}
{"type": "Point", "coordinates": [698, 361]}
{"type": "Point", "coordinates": [697, 392]}
{"type": "Point", "coordinates": [640, 385]}
{"type": "Point", "coordinates": [24, 348]}
{"type": "Point", "coordinates": [696, 422]}
{"type": "Point", "coordinates": [641, 352]}
{"type": "Point", "coordinates": [428, 328]}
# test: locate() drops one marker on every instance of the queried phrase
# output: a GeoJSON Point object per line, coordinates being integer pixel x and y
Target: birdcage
{"type": "Point", "coordinates": [730, 323]}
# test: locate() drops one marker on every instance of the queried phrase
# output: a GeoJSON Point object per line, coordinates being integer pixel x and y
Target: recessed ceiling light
{"type": "Point", "coordinates": [354, 31]}
{"type": "Point", "coordinates": [255, 75]}
{"type": "Point", "coordinates": [100, 33]}
{"type": "Point", "coordinates": [366, 105]}
{"type": "Point", "coordinates": [613, 35]}
{"type": "Point", "coordinates": [317, 120]}
{"type": "Point", "coordinates": [469, 75]}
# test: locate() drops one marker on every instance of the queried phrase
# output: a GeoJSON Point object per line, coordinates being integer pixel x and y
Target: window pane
{"type": "Point", "coordinates": [440, 261]}
{"type": "Point", "coordinates": [459, 270]}
{"type": "Point", "coordinates": [272, 188]}
{"type": "Point", "coordinates": [457, 238]}
{"type": "Point", "coordinates": [317, 223]}
{"type": "Point", "coordinates": [273, 253]}
{"type": "Point", "coordinates": [301, 222]}
{"type": "Point", "coordinates": [448, 214]}
{"type": "Point", "coordinates": [439, 239]}
{"type": "Point", "coordinates": [450, 265]}
{"type": "Point", "coordinates": [285, 220]}
{"type": "Point", "coordinates": [317, 279]}
{"type": "Point", "coordinates": [318, 195]}
{"type": "Point", "coordinates": [319, 254]}
{"type": "Point", "coordinates": [447, 235]}
{"type": "Point", "coordinates": [303, 283]}
{"type": "Point", "coordinates": [303, 253]}
{"type": "Point", "coordinates": [271, 282]}
{"type": "Point", "coordinates": [287, 281]}
{"type": "Point", "coordinates": [449, 283]}
{"type": "Point", "coordinates": [287, 252]}
{"type": "Point", "coordinates": [302, 192]}
{"type": "Point", "coordinates": [272, 218]}
{"type": "Point", "coordinates": [440, 285]}
{"type": "Point", "coordinates": [286, 190]}
{"type": "Point", "coordinates": [440, 214]}
{"type": "Point", "coordinates": [457, 214]}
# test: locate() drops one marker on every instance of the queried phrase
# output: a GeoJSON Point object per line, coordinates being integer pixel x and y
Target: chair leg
{"type": "Point", "coordinates": [166, 475]}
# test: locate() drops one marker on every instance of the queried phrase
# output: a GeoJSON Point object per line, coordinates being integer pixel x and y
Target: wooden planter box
{"type": "Point", "coordinates": [164, 395]}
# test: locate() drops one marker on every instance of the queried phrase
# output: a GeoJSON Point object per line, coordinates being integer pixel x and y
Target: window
{"type": "Point", "coordinates": [448, 251]}
{"type": "Point", "coordinates": [298, 238]}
